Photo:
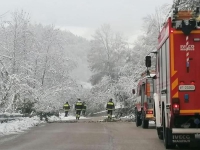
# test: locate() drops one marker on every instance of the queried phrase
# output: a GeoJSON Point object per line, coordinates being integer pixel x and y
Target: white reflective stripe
{"type": "Point", "coordinates": [185, 131]}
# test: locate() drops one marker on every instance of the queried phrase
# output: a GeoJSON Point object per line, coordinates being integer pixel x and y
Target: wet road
{"type": "Point", "coordinates": [84, 135]}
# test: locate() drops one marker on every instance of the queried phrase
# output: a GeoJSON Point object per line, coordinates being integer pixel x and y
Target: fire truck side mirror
{"type": "Point", "coordinates": [148, 61]}
{"type": "Point", "coordinates": [133, 91]}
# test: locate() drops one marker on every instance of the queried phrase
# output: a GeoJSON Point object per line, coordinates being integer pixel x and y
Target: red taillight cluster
{"type": "Point", "coordinates": [149, 112]}
{"type": "Point", "coordinates": [191, 83]}
{"type": "Point", "coordinates": [175, 106]}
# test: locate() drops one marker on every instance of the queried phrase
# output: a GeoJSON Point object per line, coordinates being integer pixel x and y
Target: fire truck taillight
{"type": "Point", "coordinates": [181, 83]}
{"type": "Point", "coordinates": [192, 83]}
{"type": "Point", "coordinates": [149, 112]}
{"type": "Point", "coordinates": [175, 106]}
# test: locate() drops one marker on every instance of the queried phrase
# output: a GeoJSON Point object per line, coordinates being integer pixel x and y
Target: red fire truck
{"type": "Point", "coordinates": [145, 103]}
{"type": "Point", "coordinates": [177, 102]}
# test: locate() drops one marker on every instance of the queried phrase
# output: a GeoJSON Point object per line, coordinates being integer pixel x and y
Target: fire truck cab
{"type": "Point", "coordinates": [177, 102]}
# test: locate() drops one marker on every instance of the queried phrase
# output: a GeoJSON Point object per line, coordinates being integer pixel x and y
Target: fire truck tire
{"type": "Point", "coordinates": [160, 134]}
{"type": "Point", "coordinates": [145, 124]}
{"type": "Point", "coordinates": [138, 121]}
{"type": "Point", "coordinates": [165, 135]}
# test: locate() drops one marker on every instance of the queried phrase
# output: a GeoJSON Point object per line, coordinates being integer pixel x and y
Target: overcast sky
{"type": "Point", "coordinates": [83, 17]}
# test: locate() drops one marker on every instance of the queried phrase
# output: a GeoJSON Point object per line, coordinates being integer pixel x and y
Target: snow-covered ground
{"type": "Point", "coordinates": [129, 117]}
{"type": "Point", "coordinates": [19, 125]}
{"type": "Point", "coordinates": [63, 118]}
{"type": "Point", "coordinates": [24, 123]}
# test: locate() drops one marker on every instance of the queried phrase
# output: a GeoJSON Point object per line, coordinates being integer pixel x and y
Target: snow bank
{"type": "Point", "coordinates": [18, 125]}
{"type": "Point", "coordinates": [24, 123]}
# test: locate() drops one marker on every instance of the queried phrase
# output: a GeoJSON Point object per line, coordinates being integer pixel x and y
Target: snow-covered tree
{"type": "Point", "coordinates": [106, 53]}
{"type": "Point", "coordinates": [36, 62]}
{"type": "Point", "coordinates": [131, 61]}
{"type": "Point", "coordinates": [185, 4]}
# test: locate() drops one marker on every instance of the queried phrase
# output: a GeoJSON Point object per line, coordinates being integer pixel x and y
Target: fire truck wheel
{"type": "Point", "coordinates": [145, 123]}
{"type": "Point", "coordinates": [160, 134]}
{"type": "Point", "coordinates": [138, 121]}
{"type": "Point", "coordinates": [165, 135]}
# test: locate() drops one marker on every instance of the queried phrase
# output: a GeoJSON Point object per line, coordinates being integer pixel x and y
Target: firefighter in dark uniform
{"type": "Point", "coordinates": [84, 108]}
{"type": "Point", "coordinates": [66, 107]}
{"type": "Point", "coordinates": [110, 107]}
{"type": "Point", "coordinates": [78, 108]}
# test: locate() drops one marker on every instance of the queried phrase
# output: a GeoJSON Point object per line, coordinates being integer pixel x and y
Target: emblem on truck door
{"type": "Point", "coordinates": [181, 138]}
{"type": "Point", "coordinates": [187, 47]}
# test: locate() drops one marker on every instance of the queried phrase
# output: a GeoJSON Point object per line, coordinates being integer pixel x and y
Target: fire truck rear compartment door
{"type": "Point", "coordinates": [150, 91]}
{"type": "Point", "coordinates": [187, 72]}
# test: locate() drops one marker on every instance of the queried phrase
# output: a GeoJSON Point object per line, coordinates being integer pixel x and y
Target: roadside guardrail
{"type": "Point", "coordinates": [5, 117]}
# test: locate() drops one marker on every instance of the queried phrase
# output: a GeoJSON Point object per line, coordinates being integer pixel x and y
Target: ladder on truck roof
{"type": "Point", "coordinates": [185, 19]}
{"type": "Point", "coordinates": [182, 15]}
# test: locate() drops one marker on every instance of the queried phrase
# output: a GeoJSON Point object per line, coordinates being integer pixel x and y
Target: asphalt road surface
{"type": "Point", "coordinates": [84, 135]}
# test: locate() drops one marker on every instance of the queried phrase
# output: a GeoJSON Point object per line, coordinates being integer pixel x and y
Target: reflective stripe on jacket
{"type": "Point", "coordinates": [110, 106]}
{"type": "Point", "coordinates": [66, 107]}
{"type": "Point", "coordinates": [78, 106]}
{"type": "Point", "coordinates": [84, 107]}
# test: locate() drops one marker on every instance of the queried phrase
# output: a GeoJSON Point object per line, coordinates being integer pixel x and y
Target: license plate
{"type": "Point", "coordinates": [186, 87]}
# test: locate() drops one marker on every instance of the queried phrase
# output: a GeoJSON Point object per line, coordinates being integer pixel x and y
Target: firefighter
{"type": "Point", "coordinates": [66, 107]}
{"type": "Point", "coordinates": [84, 108]}
{"type": "Point", "coordinates": [78, 108]}
{"type": "Point", "coordinates": [110, 107]}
